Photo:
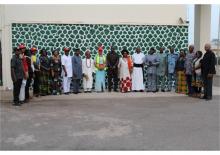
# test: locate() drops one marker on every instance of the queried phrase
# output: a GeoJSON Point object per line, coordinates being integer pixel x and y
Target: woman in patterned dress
{"type": "Point", "coordinates": [125, 69]}
{"type": "Point", "coordinates": [55, 65]}
{"type": "Point", "coordinates": [181, 85]}
{"type": "Point", "coordinates": [197, 77]}
{"type": "Point", "coordinates": [44, 73]}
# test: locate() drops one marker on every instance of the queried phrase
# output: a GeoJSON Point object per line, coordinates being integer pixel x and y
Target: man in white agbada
{"type": "Point", "coordinates": [87, 70]}
{"type": "Point", "coordinates": [67, 71]}
{"type": "Point", "coordinates": [137, 75]}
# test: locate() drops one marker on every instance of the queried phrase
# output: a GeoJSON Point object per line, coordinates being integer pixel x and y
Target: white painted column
{"type": "Point", "coordinates": [6, 51]}
{"type": "Point", "coordinates": [205, 25]}
{"type": "Point", "coordinates": [202, 26]}
{"type": "Point", "coordinates": [6, 56]}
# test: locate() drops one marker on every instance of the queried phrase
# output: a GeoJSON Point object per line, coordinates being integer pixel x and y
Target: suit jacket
{"type": "Point", "coordinates": [208, 63]}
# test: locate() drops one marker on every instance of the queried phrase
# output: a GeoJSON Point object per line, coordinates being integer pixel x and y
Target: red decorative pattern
{"type": "Point", "coordinates": [125, 84]}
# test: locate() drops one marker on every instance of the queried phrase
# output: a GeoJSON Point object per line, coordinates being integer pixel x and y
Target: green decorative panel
{"type": "Point", "coordinates": [83, 36]}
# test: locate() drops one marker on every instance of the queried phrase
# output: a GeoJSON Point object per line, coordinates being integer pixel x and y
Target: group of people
{"type": "Point", "coordinates": [195, 72]}
{"type": "Point", "coordinates": [191, 71]}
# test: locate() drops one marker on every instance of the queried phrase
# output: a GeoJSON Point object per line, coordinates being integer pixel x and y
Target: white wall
{"type": "Point", "coordinates": [89, 14]}
{"type": "Point", "coordinates": [95, 14]}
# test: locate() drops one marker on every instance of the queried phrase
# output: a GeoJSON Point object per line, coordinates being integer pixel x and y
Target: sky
{"type": "Point", "coordinates": [215, 13]}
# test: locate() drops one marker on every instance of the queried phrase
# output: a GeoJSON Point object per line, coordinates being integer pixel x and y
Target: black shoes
{"type": "Point", "coordinates": [16, 104]}
{"type": "Point", "coordinates": [206, 98]}
{"type": "Point", "coordinates": [138, 90]}
{"type": "Point", "coordinates": [77, 92]}
{"type": "Point", "coordinates": [36, 95]}
{"type": "Point", "coordinates": [26, 101]}
{"type": "Point", "coordinates": [21, 102]}
{"type": "Point", "coordinates": [148, 91]}
{"type": "Point", "coordinates": [115, 90]}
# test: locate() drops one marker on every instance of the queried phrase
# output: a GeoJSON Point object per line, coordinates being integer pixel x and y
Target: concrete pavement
{"type": "Point", "coordinates": [112, 121]}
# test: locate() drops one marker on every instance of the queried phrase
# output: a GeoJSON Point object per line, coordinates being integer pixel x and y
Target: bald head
{"type": "Point", "coordinates": [207, 47]}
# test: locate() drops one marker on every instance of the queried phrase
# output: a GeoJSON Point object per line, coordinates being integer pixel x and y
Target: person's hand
{"type": "Point", "coordinates": [210, 75]}
{"type": "Point", "coordinates": [65, 74]}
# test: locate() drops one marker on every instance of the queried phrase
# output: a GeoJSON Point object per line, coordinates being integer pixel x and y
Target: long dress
{"type": "Point", "coordinates": [124, 75]}
{"type": "Point", "coordinates": [137, 75]}
{"type": "Point", "coordinates": [77, 72]}
{"type": "Point", "coordinates": [181, 85]}
{"type": "Point", "coordinates": [152, 61]}
{"type": "Point", "coordinates": [87, 69]}
{"type": "Point", "coordinates": [161, 71]}
{"type": "Point", "coordinates": [56, 79]}
{"type": "Point", "coordinates": [67, 62]}
{"type": "Point", "coordinates": [197, 82]}
{"type": "Point", "coordinates": [171, 63]}
{"type": "Point", "coordinates": [44, 75]}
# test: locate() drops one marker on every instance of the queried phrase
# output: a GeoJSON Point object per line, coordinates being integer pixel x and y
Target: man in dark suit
{"type": "Point", "coordinates": [208, 70]}
{"type": "Point", "coordinates": [17, 75]}
{"type": "Point", "coordinates": [112, 71]}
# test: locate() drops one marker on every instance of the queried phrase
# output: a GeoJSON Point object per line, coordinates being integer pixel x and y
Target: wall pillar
{"type": "Point", "coordinates": [202, 26]}
{"type": "Point", "coordinates": [6, 50]}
